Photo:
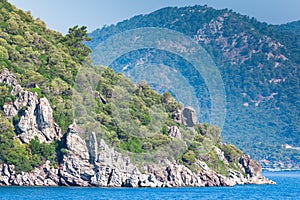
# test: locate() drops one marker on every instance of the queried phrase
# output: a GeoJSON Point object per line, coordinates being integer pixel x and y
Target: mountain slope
{"type": "Point", "coordinates": [258, 63]}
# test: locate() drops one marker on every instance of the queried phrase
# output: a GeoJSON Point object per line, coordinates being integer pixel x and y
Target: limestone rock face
{"type": "Point", "coordinates": [76, 168]}
{"type": "Point", "coordinates": [42, 176]}
{"type": "Point", "coordinates": [36, 119]}
{"type": "Point", "coordinates": [221, 155]}
{"type": "Point", "coordinates": [106, 167]}
{"type": "Point", "coordinates": [253, 171]}
{"type": "Point", "coordinates": [177, 116]}
{"type": "Point", "coordinates": [35, 114]}
{"type": "Point", "coordinates": [250, 166]}
{"type": "Point", "coordinates": [189, 117]}
{"type": "Point", "coordinates": [10, 79]}
{"type": "Point", "coordinates": [174, 132]}
{"type": "Point", "coordinates": [113, 169]}
{"type": "Point", "coordinates": [93, 148]}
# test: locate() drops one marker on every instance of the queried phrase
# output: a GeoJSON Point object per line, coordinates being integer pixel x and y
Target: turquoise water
{"type": "Point", "coordinates": [288, 187]}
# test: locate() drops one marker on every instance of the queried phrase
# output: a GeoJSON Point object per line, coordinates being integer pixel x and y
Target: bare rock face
{"type": "Point", "coordinates": [8, 78]}
{"type": "Point", "coordinates": [93, 148]}
{"type": "Point", "coordinates": [35, 114]}
{"type": "Point", "coordinates": [45, 120]}
{"type": "Point", "coordinates": [253, 171]}
{"type": "Point", "coordinates": [177, 116]}
{"type": "Point", "coordinates": [174, 132]}
{"type": "Point", "coordinates": [251, 167]}
{"type": "Point", "coordinates": [42, 176]}
{"type": "Point", "coordinates": [76, 168]}
{"type": "Point", "coordinates": [113, 169]}
{"type": "Point", "coordinates": [180, 176]}
{"type": "Point", "coordinates": [189, 117]}
{"type": "Point", "coordinates": [221, 155]}
{"type": "Point", "coordinates": [36, 119]}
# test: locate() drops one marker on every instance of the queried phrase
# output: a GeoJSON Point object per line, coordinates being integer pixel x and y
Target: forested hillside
{"type": "Point", "coordinates": [40, 91]}
{"type": "Point", "coordinates": [292, 27]}
{"type": "Point", "coordinates": [259, 65]}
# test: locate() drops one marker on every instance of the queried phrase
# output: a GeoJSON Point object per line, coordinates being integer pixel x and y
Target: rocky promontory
{"type": "Point", "coordinates": [92, 162]}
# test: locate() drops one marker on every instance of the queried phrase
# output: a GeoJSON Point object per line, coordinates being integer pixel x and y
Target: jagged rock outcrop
{"type": "Point", "coordinates": [34, 115]}
{"type": "Point", "coordinates": [189, 117]}
{"type": "Point", "coordinates": [42, 176]}
{"type": "Point", "coordinates": [108, 168]}
{"type": "Point", "coordinates": [93, 148]}
{"type": "Point", "coordinates": [174, 132]}
{"type": "Point", "coordinates": [76, 168]}
{"type": "Point", "coordinates": [177, 116]}
{"type": "Point", "coordinates": [253, 170]}
{"type": "Point", "coordinates": [113, 169]}
{"type": "Point", "coordinates": [36, 119]}
{"type": "Point", "coordinates": [10, 79]}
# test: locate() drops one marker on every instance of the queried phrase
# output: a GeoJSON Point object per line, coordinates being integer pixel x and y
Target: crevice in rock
{"type": "Point", "coordinates": [110, 176]}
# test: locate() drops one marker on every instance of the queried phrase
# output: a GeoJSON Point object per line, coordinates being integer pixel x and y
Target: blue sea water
{"type": "Point", "coordinates": [288, 187]}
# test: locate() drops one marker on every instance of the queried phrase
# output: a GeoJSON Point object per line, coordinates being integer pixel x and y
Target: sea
{"type": "Point", "coordinates": [287, 187]}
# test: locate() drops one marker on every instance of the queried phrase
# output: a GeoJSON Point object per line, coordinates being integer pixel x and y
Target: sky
{"type": "Point", "coordinates": [60, 15]}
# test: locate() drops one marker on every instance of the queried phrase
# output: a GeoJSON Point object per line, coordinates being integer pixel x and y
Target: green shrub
{"type": "Point", "coordinates": [41, 151]}
{"type": "Point", "coordinates": [164, 130]}
{"type": "Point", "coordinates": [231, 153]}
{"type": "Point", "coordinates": [19, 156]}
{"type": "Point", "coordinates": [5, 95]}
{"type": "Point", "coordinates": [38, 91]}
{"type": "Point", "coordinates": [159, 140]}
{"type": "Point", "coordinates": [132, 145]}
{"type": "Point", "coordinates": [189, 157]}
{"type": "Point", "coordinates": [216, 164]}
{"type": "Point", "coordinates": [199, 138]}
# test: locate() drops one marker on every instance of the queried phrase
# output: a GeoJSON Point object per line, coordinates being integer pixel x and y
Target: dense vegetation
{"type": "Point", "coordinates": [43, 62]}
{"type": "Point", "coordinates": [38, 57]}
{"type": "Point", "coordinates": [47, 63]}
{"type": "Point", "coordinates": [259, 64]}
{"type": "Point", "coordinates": [25, 157]}
{"type": "Point", "coordinates": [292, 27]}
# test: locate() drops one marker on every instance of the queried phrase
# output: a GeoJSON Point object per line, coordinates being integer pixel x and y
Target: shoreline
{"type": "Point", "coordinates": [279, 170]}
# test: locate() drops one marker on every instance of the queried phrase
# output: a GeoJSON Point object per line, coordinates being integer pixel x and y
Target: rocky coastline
{"type": "Point", "coordinates": [92, 163]}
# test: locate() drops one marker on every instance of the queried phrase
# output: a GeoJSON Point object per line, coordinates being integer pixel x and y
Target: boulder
{"type": "Point", "coordinates": [251, 167]}
{"type": "Point", "coordinates": [253, 171]}
{"type": "Point", "coordinates": [189, 117]}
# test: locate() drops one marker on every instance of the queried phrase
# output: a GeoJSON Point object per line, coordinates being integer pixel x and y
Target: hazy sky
{"type": "Point", "coordinates": [62, 14]}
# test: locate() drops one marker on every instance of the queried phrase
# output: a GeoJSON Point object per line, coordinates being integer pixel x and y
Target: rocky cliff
{"type": "Point", "coordinates": [34, 114]}
{"type": "Point", "coordinates": [92, 162]}
{"type": "Point", "coordinates": [108, 168]}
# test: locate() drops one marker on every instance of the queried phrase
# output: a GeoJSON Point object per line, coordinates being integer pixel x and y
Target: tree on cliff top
{"type": "Point", "coordinates": [74, 41]}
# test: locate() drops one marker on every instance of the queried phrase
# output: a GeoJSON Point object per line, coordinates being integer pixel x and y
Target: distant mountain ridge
{"type": "Point", "coordinates": [293, 27]}
{"type": "Point", "coordinates": [259, 65]}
